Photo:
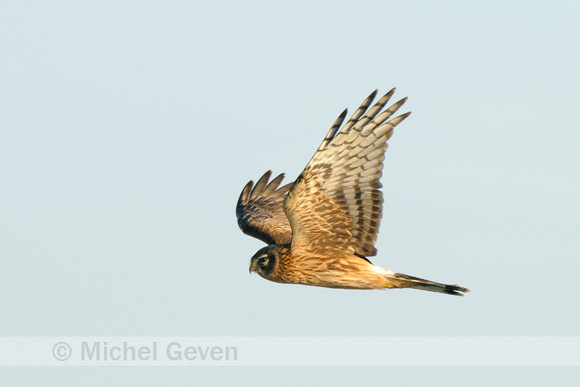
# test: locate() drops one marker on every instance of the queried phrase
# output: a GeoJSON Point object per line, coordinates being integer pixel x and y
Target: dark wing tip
{"type": "Point", "coordinates": [285, 188]}
{"type": "Point", "coordinates": [390, 93]}
{"type": "Point", "coordinates": [271, 187]}
{"type": "Point", "coordinates": [403, 116]}
{"type": "Point", "coordinates": [260, 213]}
{"type": "Point", "coordinates": [261, 184]}
{"type": "Point", "coordinates": [262, 188]}
{"type": "Point", "coordinates": [245, 194]}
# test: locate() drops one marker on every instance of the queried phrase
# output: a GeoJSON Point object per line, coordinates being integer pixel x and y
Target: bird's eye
{"type": "Point", "coordinates": [262, 261]}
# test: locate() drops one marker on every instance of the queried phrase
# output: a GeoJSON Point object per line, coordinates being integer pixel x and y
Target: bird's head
{"type": "Point", "coordinates": [263, 262]}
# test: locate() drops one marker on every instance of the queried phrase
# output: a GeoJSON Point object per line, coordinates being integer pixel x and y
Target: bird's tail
{"type": "Point", "coordinates": [398, 280]}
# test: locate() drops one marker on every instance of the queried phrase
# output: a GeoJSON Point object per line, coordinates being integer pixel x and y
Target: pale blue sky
{"type": "Point", "coordinates": [128, 129]}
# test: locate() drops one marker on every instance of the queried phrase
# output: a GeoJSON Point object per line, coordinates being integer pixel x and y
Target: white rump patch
{"type": "Point", "coordinates": [381, 270]}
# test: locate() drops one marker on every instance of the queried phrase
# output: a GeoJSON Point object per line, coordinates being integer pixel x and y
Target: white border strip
{"type": "Point", "coordinates": [289, 351]}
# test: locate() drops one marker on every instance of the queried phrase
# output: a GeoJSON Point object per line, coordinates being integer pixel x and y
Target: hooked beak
{"type": "Point", "coordinates": [252, 267]}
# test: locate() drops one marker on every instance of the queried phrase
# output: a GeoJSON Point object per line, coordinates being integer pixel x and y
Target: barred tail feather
{"type": "Point", "coordinates": [398, 280]}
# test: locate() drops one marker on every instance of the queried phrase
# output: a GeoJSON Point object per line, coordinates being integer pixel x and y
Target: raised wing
{"type": "Point", "coordinates": [260, 213]}
{"type": "Point", "coordinates": [336, 202]}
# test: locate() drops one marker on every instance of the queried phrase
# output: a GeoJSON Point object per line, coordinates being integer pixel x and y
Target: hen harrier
{"type": "Point", "coordinates": [321, 228]}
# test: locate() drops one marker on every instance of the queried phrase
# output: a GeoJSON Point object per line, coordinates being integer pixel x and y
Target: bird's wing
{"type": "Point", "coordinates": [260, 213]}
{"type": "Point", "coordinates": [336, 202]}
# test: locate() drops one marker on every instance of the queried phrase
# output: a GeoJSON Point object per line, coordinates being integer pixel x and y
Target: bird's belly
{"type": "Point", "coordinates": [349, 272]}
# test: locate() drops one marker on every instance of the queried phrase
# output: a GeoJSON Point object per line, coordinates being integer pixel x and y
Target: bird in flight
{"type": "Point", "coordinates": [322, 228]}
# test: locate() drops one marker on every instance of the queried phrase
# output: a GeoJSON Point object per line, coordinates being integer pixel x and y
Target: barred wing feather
{"type": "Point", "coordinates": [336, 202]}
